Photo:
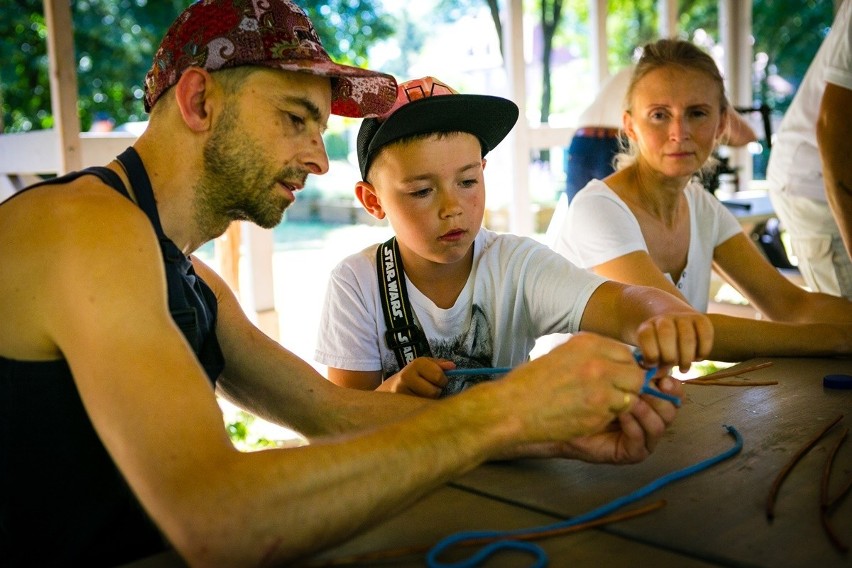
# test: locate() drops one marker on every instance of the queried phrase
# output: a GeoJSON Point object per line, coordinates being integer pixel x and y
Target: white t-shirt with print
{"type": "Point", "coordinates": [518, 290]}
{"type": "Point", "coordinates": [598, 227]}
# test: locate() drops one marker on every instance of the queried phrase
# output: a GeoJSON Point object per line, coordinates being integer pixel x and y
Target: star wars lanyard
{"type": "Point", "coordinates": [403, 336]}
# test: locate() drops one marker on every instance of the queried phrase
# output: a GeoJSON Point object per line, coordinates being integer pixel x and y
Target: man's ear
{"type": "Point", "coordinates": [366, 194]}
{"type": "Point", "coordinates": [192, 95]}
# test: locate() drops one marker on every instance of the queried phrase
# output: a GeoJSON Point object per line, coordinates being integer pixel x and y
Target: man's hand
{"type": "Point", "coordinates": [635, 434]}
{"type": "Point", "coordinates": [602, 375]}
{"type": "Point", "coordinates": [576, 389]}
{"type": "Point", "coordinates": [422, 377]}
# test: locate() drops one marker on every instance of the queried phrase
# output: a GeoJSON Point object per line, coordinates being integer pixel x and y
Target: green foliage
{"type": "Point", "coordinates": [244, 436]}
{"type": "Point", "coordinates": [115, 41]}
{"type": "Point", "coordinates": [347, 28]}
{"type": "Point", "coordinates": [790, 33]}
{"type": "Point", "coordinates": [634, 24]}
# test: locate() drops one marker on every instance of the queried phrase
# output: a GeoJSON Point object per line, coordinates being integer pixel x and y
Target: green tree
{"type": "Point", "coordinates": [788, 33]}
{"type": "Point", "coordinates": [114, 43]}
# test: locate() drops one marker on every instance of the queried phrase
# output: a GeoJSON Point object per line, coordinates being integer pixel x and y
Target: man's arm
{"type": "Point", "coordinates": [154, 409]}
{"type": "Point", "coordinates": [266, 379]}
{"type": "Point", "coordinates": [834, 124]}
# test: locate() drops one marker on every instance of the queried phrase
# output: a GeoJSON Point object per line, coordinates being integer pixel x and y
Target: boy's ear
{"type": "Point", "coordinates": [366, 194]}
{"type": "Point", "coordinates": [192, 94]}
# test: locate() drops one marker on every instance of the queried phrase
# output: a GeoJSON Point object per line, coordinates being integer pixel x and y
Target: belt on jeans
{"type": "Point", "coordinates": [596, 132]}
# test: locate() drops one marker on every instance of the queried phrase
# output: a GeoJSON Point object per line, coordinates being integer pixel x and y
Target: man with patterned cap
{"type": "Point", "coordinates": [114, 339]}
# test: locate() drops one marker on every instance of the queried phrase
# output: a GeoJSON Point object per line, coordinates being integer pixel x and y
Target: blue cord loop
{"type": "Point", "coordinates": [541, 557]}
{"type": "Point", "coordinates": [648, 389]}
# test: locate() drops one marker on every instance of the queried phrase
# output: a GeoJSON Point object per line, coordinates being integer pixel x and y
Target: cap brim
{"type": "Point", "coordinates": [487, 117]}
{"type": "Point", "coordinates": [355, 92]}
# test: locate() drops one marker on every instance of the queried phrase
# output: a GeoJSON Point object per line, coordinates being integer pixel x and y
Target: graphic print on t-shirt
{"type": "Point", "coordinates": [470, 349]}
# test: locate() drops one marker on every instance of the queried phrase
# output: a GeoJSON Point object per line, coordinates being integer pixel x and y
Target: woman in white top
{"type": "Point", "coordinates": [651, 223]}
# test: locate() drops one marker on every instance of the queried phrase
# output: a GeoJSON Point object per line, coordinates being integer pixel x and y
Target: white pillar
{"type": "Point", "coordinates": [520, 211]}
{"type": "Point", "coordinates": [735, 29]}
{"type": "Point", "coordinates": [257, 291]}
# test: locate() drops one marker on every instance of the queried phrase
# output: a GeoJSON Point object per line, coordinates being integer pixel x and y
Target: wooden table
{"type": "Point", "coordinates": [449, 510]}
{"type": "Point", "coordinates": [750, 207]}
{"type": "Point", "coordinates": [717, 516]}
{"type": "Point", "coordinates": [714, 518]}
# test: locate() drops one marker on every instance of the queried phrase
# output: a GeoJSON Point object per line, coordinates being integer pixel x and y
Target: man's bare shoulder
{"type": "Point", "coordinates": [56, 240]}
{"type": "Point", "coordinates": [59, 215]}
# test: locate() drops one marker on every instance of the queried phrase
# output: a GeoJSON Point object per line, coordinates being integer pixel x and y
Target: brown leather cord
{"type": "Point", "coordinates": [713, 378]}
{"type": "Point", "coordinates": [708, 383]}
{"type": "Point", "coordinates": [776, 484]}
{"type": "Point", "coordinates": [826, 502]}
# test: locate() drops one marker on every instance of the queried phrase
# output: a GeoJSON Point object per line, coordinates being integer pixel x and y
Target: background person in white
{"type": "Point", "coordinates": [812, 196]}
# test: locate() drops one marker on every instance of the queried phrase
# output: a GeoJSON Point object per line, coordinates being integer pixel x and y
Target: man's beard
{"type": "Point", "coordinates": [235, 185]}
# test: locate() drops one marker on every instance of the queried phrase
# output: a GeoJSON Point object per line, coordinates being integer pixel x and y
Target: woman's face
{"type": "Point", "coordinates": [675, 119]}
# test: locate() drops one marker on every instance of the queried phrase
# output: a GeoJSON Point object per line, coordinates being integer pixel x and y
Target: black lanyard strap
{"type": "Point", "coordinates": [403, 336]}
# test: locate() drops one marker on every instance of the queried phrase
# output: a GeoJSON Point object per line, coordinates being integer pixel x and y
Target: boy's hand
{"type": "Point", "coordinates": [675, 339]}
{"type": "Point", "coordinates": [422, 377]}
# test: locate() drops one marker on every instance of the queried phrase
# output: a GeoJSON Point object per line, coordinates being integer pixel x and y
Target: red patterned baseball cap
{"type": "Point", "coordinates": [427, 105]}
{"type": "Point", "coordinates": [221, 34]}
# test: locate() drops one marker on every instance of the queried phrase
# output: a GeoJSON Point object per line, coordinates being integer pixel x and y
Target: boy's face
{"type": "Point", "coordinates": [433, 193]}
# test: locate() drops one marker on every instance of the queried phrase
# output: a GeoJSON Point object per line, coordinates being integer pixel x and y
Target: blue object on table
{"type": "Point", "coordinates": [540, 556]}
{"type": "Point", "coordinates": [837, 381]}
{"type": "Point", "coordinates": [647, 389]}
{"type": "Point", "coordinates": [478, 371]}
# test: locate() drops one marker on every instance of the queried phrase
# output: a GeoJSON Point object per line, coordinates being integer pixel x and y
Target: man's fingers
{"type": "Point", "coordinates": [622, 401]}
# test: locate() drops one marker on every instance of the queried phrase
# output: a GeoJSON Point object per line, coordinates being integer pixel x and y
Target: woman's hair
{"type": "Point", "coordinates": [670, 53]}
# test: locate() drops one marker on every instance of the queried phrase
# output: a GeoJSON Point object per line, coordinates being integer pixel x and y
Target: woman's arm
{"type": "Point", "coordinates": [737, 339]}
{"type": "Point", "coordinates": [637, 268]}
{"type": "Point", "coordinates": [740, 262]}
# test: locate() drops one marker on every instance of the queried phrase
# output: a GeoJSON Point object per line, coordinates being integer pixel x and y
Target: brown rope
{"type": "Point", "coordinates": [776, 485]}
{"type": "Point", "coordinates": [716, 383]}
{"type": "Point", "coordinates": [826, 501]}
{"type": "Point", "coordinates": [713, 379]}
{"type": "Point", "coordinates": [734, 372]}
{"type": "Point", "coordinates": [391, 553]}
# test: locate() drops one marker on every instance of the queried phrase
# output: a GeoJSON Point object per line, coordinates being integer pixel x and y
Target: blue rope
{"type": "Point", "coordinates": [541, 557]}
{"type": "Point", "coordinates": [646, 387]}
{"type": "Point", "coordinates": [478, 371]}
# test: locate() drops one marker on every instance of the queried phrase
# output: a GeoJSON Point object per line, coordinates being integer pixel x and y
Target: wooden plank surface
{"type": "Point", "coordinates": [449, 510]}
{"type": "Point", "coordinates": [717, 515]}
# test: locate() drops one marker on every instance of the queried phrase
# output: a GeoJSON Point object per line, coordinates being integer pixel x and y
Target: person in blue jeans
{"type": "Point", "coordinates": [596, 141]}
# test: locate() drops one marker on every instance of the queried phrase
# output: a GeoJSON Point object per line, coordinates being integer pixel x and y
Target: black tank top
{"type": "Point", "coordinates": [62, 500]}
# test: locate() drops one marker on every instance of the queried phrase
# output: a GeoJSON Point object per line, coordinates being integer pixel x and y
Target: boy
{"type": "Point", "coordinates": [477, 299]}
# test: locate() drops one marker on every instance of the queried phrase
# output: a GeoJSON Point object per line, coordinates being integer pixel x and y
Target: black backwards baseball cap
{"type": "Point", "coordinates": [427, 105]}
